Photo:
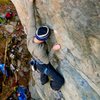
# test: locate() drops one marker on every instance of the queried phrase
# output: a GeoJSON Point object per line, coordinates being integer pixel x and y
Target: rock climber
{"type": "Point", "coordinates": [41, 60]}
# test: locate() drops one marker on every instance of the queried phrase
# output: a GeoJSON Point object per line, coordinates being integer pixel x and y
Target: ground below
{"type": "Point", "coordinates": [10, 29]}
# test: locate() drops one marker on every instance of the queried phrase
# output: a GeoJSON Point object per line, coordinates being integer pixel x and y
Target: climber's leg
{"type": "Point", "coordinates": [43, 78]}
{"type": "Point", "coordinates": [57, 79]}
{"type": "Point", "coordinates": [47, 69]}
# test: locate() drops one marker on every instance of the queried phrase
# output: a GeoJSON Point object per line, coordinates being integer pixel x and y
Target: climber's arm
{"type": "Point", "coordinates": [31, 20]}
{"type": "Point", "coordinates": [37, 50]}
{"type": "Point", "coordinates": [31, 26]}
{"type": "Point", "coordinates": [55, 48]}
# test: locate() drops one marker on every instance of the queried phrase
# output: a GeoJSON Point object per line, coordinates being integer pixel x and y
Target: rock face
{"type": "Point", "coordinates": [76, 27]}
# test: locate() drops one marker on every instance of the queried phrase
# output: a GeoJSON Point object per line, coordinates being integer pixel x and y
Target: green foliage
{"type": "Point", "coordinates": [2, 20]}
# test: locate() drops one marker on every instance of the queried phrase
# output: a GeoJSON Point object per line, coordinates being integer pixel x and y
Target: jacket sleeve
{"type": "Point", "coordinates": [38, 51]}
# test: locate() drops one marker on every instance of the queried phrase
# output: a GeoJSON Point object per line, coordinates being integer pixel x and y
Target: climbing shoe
{"type": "Point", "coordinates": [43, 78]}
{"type": "Point", "coordinates": [57, 79]}
{"type": "Point", "coordinates": [56, 85]}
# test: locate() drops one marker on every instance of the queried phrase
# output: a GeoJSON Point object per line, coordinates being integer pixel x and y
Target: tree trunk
{"type": "Point", "coordinates": [76, 27]}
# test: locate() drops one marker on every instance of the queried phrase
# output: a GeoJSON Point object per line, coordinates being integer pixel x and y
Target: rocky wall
{"type": "Point", "coordinates": [76, 27]}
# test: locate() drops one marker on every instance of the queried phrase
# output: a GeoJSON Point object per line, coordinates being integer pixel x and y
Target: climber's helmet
{"type": "Point", "coordinates": [42, 34]}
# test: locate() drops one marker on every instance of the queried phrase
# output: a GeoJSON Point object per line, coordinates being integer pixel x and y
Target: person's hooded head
{"type": "Point", "coordinates": [42, 34]}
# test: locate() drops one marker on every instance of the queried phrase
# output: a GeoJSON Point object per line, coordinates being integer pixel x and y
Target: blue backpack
{"type": "Point", "coordinates": [2, 68]}
{"type": "Point", "coordinates": [21, 90]}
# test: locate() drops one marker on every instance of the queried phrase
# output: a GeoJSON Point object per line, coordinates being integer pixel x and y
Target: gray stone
{"type": "Point", "coordinates": [9, 28]}
{"type": "Point", "coordinates": [25, 69]}
{"type": "Point", "coordinates": [13, 23]}
{"type": "Point", "coordinates": [21, 73]}
{"type": "Point", "coordinates": [76, 27]}
{"type": "Point", "coordinates": [33, 91]}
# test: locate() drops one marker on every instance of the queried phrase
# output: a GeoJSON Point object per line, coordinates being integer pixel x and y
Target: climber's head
{"type": "Point", "coordinates": [42, 34]}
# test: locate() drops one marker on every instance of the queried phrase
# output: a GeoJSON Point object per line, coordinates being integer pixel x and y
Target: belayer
{"type": "Point", "coordinates": [40, 59]}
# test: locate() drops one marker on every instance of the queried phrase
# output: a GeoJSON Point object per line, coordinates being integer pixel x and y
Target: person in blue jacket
{"type": "Point", "coordinates": [21, 92]}
{"type": "Point", "coordinates": [5, 70]}
{"type": "Point", "coordinates": [2, 68]}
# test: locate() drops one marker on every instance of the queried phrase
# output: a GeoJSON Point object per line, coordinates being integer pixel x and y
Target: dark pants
{"type": "Point", "coordinates": [57, 79]}
{"type": "Point", "coordinates": [9, 72]}
{"type": "Point", "coordinates": [0, 88]}
{"type": "Point", "coordinates": [1, 80]}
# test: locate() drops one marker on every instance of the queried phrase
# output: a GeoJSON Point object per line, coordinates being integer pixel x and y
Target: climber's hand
{"type": "Point", "coordinates": [56, 47]}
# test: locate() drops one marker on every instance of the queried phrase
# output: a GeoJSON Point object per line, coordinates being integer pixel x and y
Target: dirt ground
{"type": "Point", "coordinates": [23, 74]}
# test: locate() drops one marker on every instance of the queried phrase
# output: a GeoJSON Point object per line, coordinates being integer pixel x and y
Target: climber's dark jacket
{"type": "Point", "coordinates": [38, 51]}
{"type": "Point", "coordinates": [47, 70]}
